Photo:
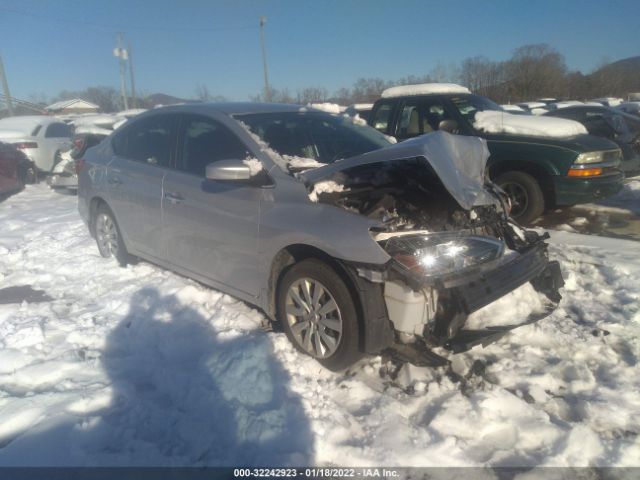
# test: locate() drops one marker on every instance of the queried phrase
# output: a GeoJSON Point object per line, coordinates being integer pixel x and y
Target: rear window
{"type": "Point", "coordinates": [58, 130]}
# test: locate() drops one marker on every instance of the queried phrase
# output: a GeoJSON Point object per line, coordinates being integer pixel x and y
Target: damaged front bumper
{"type": "Point", "coordinates": [436, 309]}
{"type": "Point", "coordinates": [473, 292]}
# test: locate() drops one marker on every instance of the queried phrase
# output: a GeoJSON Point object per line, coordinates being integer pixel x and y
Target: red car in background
{"type": "Point", "coordinates": [15, 170]}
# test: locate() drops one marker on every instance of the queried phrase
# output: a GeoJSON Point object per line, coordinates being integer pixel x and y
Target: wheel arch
{"type": "Point", "coordinates": [537, 171]}
{"type": "Point", "coordinates": [295, 253]}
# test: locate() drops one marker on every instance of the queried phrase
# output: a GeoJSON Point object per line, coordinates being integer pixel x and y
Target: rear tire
{"type": "Point", "coordinates": [527, 198]}
{"type": "Point", "coordinates": [318, 314]}
{"type": "Point", "coordinates": [108, 236]}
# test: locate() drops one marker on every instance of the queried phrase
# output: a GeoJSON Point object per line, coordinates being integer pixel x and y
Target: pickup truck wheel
{"type": "Point", "coordinates": [527, 199]}
{"type": "Point", "coordinates": [318, 314]}
{"type": "Point", "coordinates": [108, 236]}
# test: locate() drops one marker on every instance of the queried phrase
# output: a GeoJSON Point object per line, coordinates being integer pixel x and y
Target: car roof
{"type": "Point", "coordinates": [602, 108]}
{"type": "Point", "coordinates": [234, 108]}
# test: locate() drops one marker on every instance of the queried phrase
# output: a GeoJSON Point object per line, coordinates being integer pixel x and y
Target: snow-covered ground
{"type": "Point", "coordinates": [139, 366]}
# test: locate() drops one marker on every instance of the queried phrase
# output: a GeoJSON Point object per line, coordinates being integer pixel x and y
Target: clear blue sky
{"type": "Point", "coordinates": [48, 46]}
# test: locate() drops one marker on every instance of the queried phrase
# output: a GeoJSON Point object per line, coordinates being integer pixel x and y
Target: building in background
{"type": "Point", "coordinates": [75, 105]}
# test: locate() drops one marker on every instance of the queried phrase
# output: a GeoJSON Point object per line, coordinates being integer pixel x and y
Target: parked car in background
{"type": "Point", "coordinates": [318, 220]}
{"type": "Point", "coordinates": [363, 110]}
{"type": "Point", "coordinates": [64, 174]}
{"type": "Point", "coordinates": [41, 138]}
{"type": "Point", "coordinates": [515, 109]}
{"type": "Point", "coordinates": [612, 124]}
{"type": "Point", "coordinates": [539, 161]}
{"type": "Point", "coordinates": [534, 108]}
{"type": "Point", "coordinates": [16, 170]}
{"type": "Point", "coordinates": [632, 108]}
{"type": "Point", "coordinates": [607, 101]}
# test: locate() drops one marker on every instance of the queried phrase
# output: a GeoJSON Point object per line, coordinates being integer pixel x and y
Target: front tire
{"type": "Point", "coordinates": [527, 199]}
{"type": "Point", "coordinates": [318, 314]}
{"type": "Point", "coordinates": [108, 236]}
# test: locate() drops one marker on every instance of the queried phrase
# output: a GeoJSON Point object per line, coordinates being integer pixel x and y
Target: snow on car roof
{"type": "Point", "coordinates": [424, 89]}
{"type": "Point", "coordinates": [492, 121]}
{"type": "Point", "coordinates": [328, 107]}
{"type": "Point", "coordinates": [568, 103]}
{"type": "Point", "coordinates": [512, 108]}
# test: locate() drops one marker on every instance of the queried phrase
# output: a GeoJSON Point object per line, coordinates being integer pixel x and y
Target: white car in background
{"type": "Point", "coordinates": [41, 138]}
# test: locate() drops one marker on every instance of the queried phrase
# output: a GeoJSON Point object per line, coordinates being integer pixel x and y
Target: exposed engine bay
{"type": "Point", "coordinates": [408, 196]}
{"type": "Point", "coordinates": [446, 261]}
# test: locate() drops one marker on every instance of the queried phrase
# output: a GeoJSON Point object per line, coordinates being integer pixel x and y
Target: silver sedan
{"type": "Point", "coordinates": [353, 244]}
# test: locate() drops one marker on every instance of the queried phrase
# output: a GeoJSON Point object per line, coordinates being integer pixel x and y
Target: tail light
{"type": "Point", "coordinates": [23, 145]}
{"type": "Point", "coordinates": [79, 165]}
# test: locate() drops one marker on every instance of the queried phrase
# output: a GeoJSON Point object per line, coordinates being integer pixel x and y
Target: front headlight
{"type": "Point", "coordinates": [598, 157]}
{"type": "Point", "coordinates": [590, 157]}
{"type": "Point", "coordinates": [437, 254]}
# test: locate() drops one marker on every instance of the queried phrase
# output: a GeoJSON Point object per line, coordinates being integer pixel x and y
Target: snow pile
{"type": "Point", "coordinates": [568, 103]}
{"type": "Point", "coordinates": [512, 108]}
{"type": "Point", "coordinates": [500, 122]}
{"type": "Point", "coordinates": [326, 186]}
{"type": "Point", "coordinates": [300, 163]}
{"type": "Point", "coordinates": [539, 111]}
{"type": "Point", "coordinates": [92, 130]}
{"type": "Point", "coordinates": [139, 366]}
{"type": "Point", "coordinates": [424, 89]}
{"type": "Point", "coordinates": [328, 107]}
{"type": "Point", "coordinates": [255, 167]}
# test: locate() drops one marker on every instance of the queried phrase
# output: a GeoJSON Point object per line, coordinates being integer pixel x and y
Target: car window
{"type": "Point", "coordinates": [148, 140]}
{"type": "Point", "coordinates": [381, 118]}
{"type": "Point", "coordinates": [596, 124]}
{"type": "Point", "coordinates": [204, 141]}
{"type": "Point", "coordinates": [420, 116]}
{"type": "Point", "coordinates": [319, 136]}
{"type": "Point", "coordinates": [57, 130]}
{"type": "Point", "coordinates": [469, 105]}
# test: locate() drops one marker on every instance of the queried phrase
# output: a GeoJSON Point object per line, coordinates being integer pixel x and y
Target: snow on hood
{"type": "Point", "coordinates": [492, 121]}
{"type": "Point", "coordinates": [424, 89]}
{"type": "Point", "coordinates": [459, 161]}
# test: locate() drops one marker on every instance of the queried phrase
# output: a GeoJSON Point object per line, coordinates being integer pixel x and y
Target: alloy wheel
{"type": "Point", "coordinates": [107, 235]}
{"type": "Point", "coordinates": [314, 317]}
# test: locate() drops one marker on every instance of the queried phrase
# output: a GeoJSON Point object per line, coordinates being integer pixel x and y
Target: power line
{"type": "Point", "coordinates": [80, 23]}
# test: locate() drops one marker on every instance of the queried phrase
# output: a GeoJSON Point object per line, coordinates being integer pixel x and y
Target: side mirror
{"type": "Point", "coordinates": [449, 126]}
{"type": "Point", "coordinates": [225, 170]}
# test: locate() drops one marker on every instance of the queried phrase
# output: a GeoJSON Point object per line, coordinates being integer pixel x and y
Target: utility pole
{"type": "Point", "coordinates": [5, 88]}
{"type": "Point", "coordinates": [267, 90]}
{"type": "Point", "coordinates": [122, 55]}
{"type": "Point", "coordinates": [133, 82]}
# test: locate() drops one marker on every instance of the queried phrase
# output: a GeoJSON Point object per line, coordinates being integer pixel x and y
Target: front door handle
{"type": "Point", "coordinates": [173, 197]}
{"type": "Point", "coordinates": [114, 181]}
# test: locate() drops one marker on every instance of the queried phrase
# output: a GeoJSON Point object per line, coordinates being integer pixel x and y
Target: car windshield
{"type": "Point", "coordinates": [320, 137]}
{"type": "Point", "coordinates": [468, 105]}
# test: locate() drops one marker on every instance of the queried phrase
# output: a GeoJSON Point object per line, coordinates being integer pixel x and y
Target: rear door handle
{"type": "Point", "coordinates": [173, 197]}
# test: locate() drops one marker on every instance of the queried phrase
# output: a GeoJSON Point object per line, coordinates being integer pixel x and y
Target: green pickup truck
{"type": "Point", "coordinates": [539, 162]}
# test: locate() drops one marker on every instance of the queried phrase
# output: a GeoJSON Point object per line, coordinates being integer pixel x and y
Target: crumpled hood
{"type": "Point", "coordinates": [459, 161]}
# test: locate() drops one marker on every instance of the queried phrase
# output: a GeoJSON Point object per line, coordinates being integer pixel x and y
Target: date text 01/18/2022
{"type": "Point", "coordinates": [328, 472]}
